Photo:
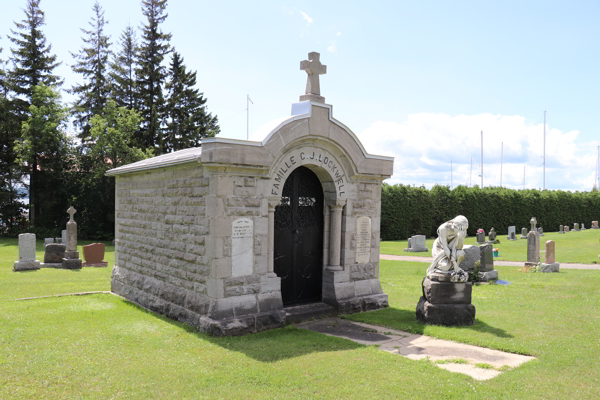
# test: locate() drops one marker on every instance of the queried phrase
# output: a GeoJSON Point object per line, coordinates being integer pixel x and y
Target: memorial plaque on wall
{"type": "Point", "coordinates": [242, 246]}
{"type": "Point", "coordinates": [363, 240]}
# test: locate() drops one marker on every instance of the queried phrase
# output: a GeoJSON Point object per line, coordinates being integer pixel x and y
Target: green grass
{"type": "Point", "coordinates": [573, 247]}
{"type": "Point", "coordinates": [102, 347]}
{"type": "Point", "coordinates": [49, 281]}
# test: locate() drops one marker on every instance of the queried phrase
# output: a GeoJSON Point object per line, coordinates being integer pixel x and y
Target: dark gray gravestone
{"type": "Point", "coordinates": [486, 262]}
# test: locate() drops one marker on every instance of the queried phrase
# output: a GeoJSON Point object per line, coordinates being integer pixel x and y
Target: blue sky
{"type": "Point", "coordinates": [416, 80]}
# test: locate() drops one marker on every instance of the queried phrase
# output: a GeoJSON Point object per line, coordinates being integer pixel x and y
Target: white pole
{"type": "Point", "coordinates": [523, 177]}
{"type": "Point", "coordinates": [248, 101]}
{"type": "Point", "coordinates": [482, 159]}
{"type": "Point", "coordinates": [471, 171]}
{"type": "Point", "coordinates": [544, 180]}
{"type": "Point", "coordinates": [451, 179]}
{"type": "Point", "coordinates": [501, 160]}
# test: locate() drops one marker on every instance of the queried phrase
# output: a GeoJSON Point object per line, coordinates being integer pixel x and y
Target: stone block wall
{"type": "Point", "coordinates": [161, 235]}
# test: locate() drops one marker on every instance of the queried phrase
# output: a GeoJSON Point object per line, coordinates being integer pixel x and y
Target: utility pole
{"type": "Point", "coordinates": [544, 180]}
{"type": "Point", "coordinates": [248, 101]}
{"type": "Point", "coordinates": [482, 159]}
{"type": "Point", "coordinates": [598, 170]}
{"type": "Point", "coordinates": [523, 177]}
{"type": "Point", "coordinates": [501, 161]}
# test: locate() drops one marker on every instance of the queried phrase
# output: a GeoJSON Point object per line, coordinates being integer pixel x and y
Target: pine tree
{"type": "Point", "coordinates": [151, 73]}
{"type": "Point", "coordinates": [32, 58]}
{"type": "Point", "coordinates": [92, 63]}
{"type": "Point", "coordinates": [10, 206]}
{"type": "Point", "coordinates": [188, 120]}
{"type": "Point", "coordinates": [33, 65]}
{"type": "Point", "coordinates": [122, 71]}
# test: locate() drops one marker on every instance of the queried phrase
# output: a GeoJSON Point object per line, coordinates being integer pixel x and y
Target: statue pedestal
{"type": "Point", "coordinates": [446, 303]}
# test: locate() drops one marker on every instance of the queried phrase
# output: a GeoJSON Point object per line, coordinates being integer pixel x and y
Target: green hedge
{"type": "Point", "coordinates": [409, 210]}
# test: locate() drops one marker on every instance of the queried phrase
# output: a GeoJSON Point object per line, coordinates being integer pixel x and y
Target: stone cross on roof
{"type": "Point", "coordinates": [71, 211]}
{"type": "Point", "coordinates": [313, 68]}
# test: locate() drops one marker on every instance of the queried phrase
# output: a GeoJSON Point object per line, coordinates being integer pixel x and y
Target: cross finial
{"type": "Point", "coordinates": [71, 211]}
{"type": "Point", "coordinates": [313, 68]}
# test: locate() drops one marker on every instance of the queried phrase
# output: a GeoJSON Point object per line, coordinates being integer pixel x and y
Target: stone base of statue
{"type": "Point", "coordinates": [26, 265]}
{"type": "Point", "coordinates": [446, 303]}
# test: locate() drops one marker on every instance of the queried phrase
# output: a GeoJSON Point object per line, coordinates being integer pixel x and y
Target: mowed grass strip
{"type": "Point", "coordinates": [574, 247]}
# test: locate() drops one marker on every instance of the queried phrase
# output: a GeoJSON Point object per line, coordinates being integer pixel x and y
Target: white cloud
{"type": "Point", "coordinates": [338, 34]}
{"type": "Point", "coordinates": [426, 143]}
{"type": "Point", "coordinates": [332, 48]}
{"type": "Point", "coordinates": [308, 19]}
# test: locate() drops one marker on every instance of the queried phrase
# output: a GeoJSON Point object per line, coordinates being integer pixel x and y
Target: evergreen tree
{"type": "Point", "coordinates": [92, 63]}
{"type": "Point", "coordinates": [188, 120]}
{"type": "Point", "coordinates": [10, 207]}
{"type": "Point", "coordinates": [151, 73]}
{"type": "Point", "coordinates": [43, 148]}
{"type": "Point", "coordinates": [122, 71]}
{"type": "Point", "coordinates": [32, 59]}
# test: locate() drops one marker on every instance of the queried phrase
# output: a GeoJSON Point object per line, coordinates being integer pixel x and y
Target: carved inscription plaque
{"type": "Point", "coordinates": [242, 244]}
{"type": "Point", "coordinates": [363, 240]}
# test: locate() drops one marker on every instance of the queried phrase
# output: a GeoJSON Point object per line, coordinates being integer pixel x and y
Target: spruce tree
{"type": "Point", "coordinates": [32, 59]}
{"type": "Point", "coordinates": [91, 63]}
{"type": "Point", "coordinates": [151, 73]}
{"type": "Point", "coordinates": [33, 65]}
{"type": "Point", "coordinates": [122, 71]}
{"type": "Point", "coordinates": [188, 121]}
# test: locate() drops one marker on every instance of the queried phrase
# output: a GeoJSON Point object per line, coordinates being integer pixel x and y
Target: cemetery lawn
{"type": "Point", "coordinates": [573, 247]}
{"type": "Point", "coordinates": [101, 346]}
{"type": "Point", "coordinates": [49, 281]}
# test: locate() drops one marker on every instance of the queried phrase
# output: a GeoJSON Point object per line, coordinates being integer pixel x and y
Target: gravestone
{"type": "Point", "coordinates": [93, 254]}
{"type": "Point", "coordinates": [48, 240]}
{"type": "Point", "coordinates": [550, 264]}
{"type": "Point", "coordinates": [561, 229]}
{"type": "Point", "coordinates": [416, 244]}
{"type": "Point", "coordinates": [63, 239]}
{"type": "Point", "coordinates": [27, 261]}
{"type": "Point", "coordinates": [57, 240]}
{"type": "Point", "coordinates": [242, 247]}
{"type": "Point", "coordinates": [595, 225]}
{"type": "Point", "coordinates": [524, 233]}
{"type": "Point", "coordinates": [363, 240]}
{"type": "Point", "coordinates": [71, 259]}
{"type": "Point", "coordinates": [576, 227]}
{"type": "Point", "coordinates": [472, 255]}
{"type": "Point", "coordinates": [533, 249]}
{"type": "Point", "coordinates": [540, 231]}
{"type": "Point", "coordinates": [512, 233]}
{"type": "Point", "coordinates": [486, 264]}
{"type": "Point", "coordinates": [305, 182]}
{"type": "Point", "coordinates": [492, 235]}
{"type": "Point", "coordinates": [582, 226]}
{"type": "Point", "coordinates": [53, 255]}
{"type": "Point", "coordinates": [480, 237]}
{"type": "Point", "coordinates": [446, 303]}
{"type": "Point", "coordinates": [566, 228]}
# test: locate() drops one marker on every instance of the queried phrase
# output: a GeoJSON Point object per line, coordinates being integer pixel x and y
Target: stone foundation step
{"type": "Point", "coordinates": [306, 312]}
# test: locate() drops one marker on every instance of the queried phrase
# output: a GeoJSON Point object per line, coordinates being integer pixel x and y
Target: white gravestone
{"type": "Point", "coordinates": [363, 240]}
{"type": "Point", "coordinates": [63, 239]}
{"type": "Point", "coordinates": [242, 246]}
{"type": "Point", "coordinates": [513, 230]}
{"type": "Point", "coordinates": [27, 259]}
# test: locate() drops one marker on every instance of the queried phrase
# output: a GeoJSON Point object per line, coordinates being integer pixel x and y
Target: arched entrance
{"type": "Point", "coordinates": [298, 238]}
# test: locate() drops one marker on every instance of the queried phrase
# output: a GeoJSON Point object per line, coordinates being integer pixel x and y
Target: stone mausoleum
{"type": "Point", "coordinates": [228, 236]}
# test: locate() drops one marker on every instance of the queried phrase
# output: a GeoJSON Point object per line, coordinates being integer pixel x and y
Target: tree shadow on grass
{"type": "Point", "coordinates": [406, 320]}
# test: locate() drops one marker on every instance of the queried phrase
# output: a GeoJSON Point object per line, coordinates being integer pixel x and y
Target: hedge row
{"type": "Point", "coordinates": [409, 210]}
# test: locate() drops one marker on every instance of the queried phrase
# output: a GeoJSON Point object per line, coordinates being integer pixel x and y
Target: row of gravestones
{"type": "Point", "coordinates": [59, 255]}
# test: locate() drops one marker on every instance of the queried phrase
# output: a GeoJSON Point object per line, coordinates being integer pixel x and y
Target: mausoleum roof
{"type": "Point", "coordinates": [177, 157]}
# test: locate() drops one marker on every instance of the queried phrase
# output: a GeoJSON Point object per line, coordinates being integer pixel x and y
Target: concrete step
{"type": "Point", "coordinates": [307, 312]}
